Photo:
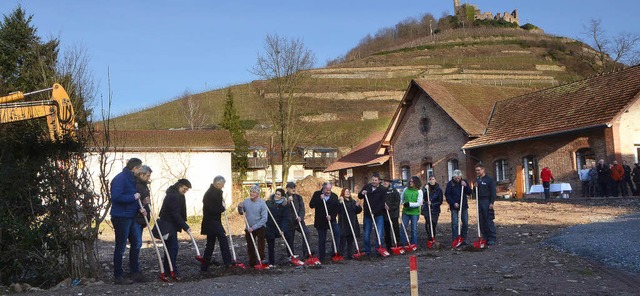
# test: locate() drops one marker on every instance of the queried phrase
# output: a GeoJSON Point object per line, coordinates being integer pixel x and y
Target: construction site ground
{"type": "Point", "coordinates": [535, 255]}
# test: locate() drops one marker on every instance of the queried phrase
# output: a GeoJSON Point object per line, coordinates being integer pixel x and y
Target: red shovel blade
{"type": "Point", "coordinates": [295, 261]}
{"type": "Point", "coordinates": [430, 243]}
{"type": "Point", "coordinates": [313, 261]}
{"type": "Point", "coordinates": [163, 278]}
{"type": "Point", "coordinates": [358, 255]}
{"type": "Point", "coordinates": [383, 252]}
{"type": "Point", "coordinates": [261, 266]}
{"type": "Point", "coordinates": [397, 250]}
{"type": "Point", "coordinates": [239, 265]}
{"type": "Point", "coordinates": [411, 248]}
{"type": "Point", "coordinates": [480, 243]}
{"type": "Point", "coordinates": [199, 258]}
{"type": "Point", "coordinates": [337, 257]}
{"type": "Point", "coordinates": [457, 242]}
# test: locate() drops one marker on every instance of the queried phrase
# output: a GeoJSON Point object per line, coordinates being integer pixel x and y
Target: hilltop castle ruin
{"type": "Point", "coordinates": [471, 12]}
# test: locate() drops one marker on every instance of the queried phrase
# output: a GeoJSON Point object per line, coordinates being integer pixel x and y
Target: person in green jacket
{"type": "Point", "coordinates": [411, 199]}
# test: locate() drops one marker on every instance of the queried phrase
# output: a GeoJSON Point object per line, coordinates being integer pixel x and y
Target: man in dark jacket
{"type": "Point", "coordinates": [604, 178]}
{"type": "Point", "coordinates": [455, 188]}
{"type": "Point", "coordinates": [486, 198]}
{"type": "Point", "coordinates": [376, 197]}
{"type": "Point", "coordinates": [174, 215]}
{"type": "Point", "coordinates": [296, 201]}
{"type": "Point", "coordinates": [627, 180]}
{"type": "Point", "coordinates": [124, 208]}
{"type": "Point", "coordinates": [322, 218]}
{"type": "Point", "coordinates": [212, 209]}
{"type": "Point", "coordinates": [392, 198]}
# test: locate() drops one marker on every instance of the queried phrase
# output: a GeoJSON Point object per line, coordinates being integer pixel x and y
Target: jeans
{"type": "Point", "coordinates": [367, 225]}
{"type": "Point", "coordinates": [454, 223]}
{"type": "Point", "coordinates": [322, 241]}
{"type": "Point", "coordinates": [414, 228]}
{"type": "Point", "coordinates": [487, 228]}
{"type": "Point", "coordinates": [172, 247]}
{"type": "Point", "coordinates": [126, 228]}
{"type": "Point", "coordinates": [547, 188]}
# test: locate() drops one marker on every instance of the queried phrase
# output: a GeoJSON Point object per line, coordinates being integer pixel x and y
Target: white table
{"type": "Point", "coordinates": [555, 187]}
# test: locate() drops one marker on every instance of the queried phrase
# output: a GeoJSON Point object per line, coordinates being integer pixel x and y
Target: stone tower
{"type": "Point", "coordinates": [456, 4]}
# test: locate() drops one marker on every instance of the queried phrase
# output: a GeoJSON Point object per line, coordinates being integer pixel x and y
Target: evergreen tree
{"type": "Point", "coordinates": [231, 122]}
{"type": "Point", "coordinates": [26, 63]}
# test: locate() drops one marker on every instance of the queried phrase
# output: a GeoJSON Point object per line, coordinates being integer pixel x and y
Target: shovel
{"type": "Point", "coordinates": [336, 256]}
{"type": "Point", "coordinates": [155, 246]}
{"type": "Point", "coordinates": [460, 239]}
{"type": "Point", "coordinates": [409, 247]}
{"type": "Point", "coordinates": [164, 245]}
{"type": "Point", "coordinates": [236, 263]}
{"type": "Point", "coordinates": [259, 265]}
{"type": "Point", "coordinates": [431, 242]}
{"type": "Point", "coordinates": [358, 254]}
{"type": "Point", "coordinates": [294, 259]}
{"type": "Point", "coordinates": [311, 260]}
{"type": "Point", "coordinates": [397, 249]}
{"type": "Point", "coordinates": [198, 256]}
{"type": "Point", "coordinates": [381, 250]}
{"type": "Point", "coordinates": [480, 243]}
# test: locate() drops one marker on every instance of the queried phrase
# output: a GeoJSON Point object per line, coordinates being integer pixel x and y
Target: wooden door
{"type": "Point", "coordinates": [520, 190]}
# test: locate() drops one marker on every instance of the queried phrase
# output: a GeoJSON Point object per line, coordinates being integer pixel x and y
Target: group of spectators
{"type": "Point", "coordinates": [609, 180]}
{"type": "Point", "coordinates": [282, 214]}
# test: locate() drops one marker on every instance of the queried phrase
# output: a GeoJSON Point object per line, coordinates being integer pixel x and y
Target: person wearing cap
{"type": "Point", "coordinates": [174, 215]}
{"type": "Point", "coordinates": [255, 210]}
{"type": "Point", "coordinates": [298, 202]}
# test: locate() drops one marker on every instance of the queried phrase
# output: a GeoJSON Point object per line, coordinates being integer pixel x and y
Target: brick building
{"type": "Point", "coordinates": [563, 128]}
{"type": "Point", "coordinates": [431, 124]}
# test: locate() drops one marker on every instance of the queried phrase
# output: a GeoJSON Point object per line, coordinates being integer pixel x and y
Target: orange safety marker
{"type": "Point", "coordinates": [413, 272]}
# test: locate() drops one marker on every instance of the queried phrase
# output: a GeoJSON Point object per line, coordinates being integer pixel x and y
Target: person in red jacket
{"type": "Point", "coordinates": [547, 177]}
{"type": "Point", "coordinates": [617, 178]}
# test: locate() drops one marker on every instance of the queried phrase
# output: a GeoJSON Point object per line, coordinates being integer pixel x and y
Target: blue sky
{"type": "Point", "coordinates": [157, 50]}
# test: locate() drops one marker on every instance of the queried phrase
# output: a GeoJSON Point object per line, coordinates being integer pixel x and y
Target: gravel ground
{"type": "Point", "coordinates": [525, 261]}
{"type": "Point", "coordinates": [615, 243]}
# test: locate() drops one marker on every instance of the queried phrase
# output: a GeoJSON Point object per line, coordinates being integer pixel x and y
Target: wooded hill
{"type": "Point", "coordinates": [514, 59]}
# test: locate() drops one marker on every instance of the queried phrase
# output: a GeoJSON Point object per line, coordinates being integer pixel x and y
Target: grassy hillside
{"type": "Point", "coordinates": [500, 57]}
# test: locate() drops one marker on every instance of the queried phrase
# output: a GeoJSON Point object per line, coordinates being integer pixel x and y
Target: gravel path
{"type": "Point", "coordinates": [614, 243]}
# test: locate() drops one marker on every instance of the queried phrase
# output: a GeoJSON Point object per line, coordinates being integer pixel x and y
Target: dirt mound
{"type": "Point", "coordinates": [307, 186]}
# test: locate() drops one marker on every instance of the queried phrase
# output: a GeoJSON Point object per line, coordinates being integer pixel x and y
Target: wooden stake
{"type": "Point", "coordinates": [413, 272]}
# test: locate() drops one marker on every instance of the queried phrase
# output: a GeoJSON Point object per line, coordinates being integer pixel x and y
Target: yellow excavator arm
{"type": "Point", "coordinates": [58, 111]}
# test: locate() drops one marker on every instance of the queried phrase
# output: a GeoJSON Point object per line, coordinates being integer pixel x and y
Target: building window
{"type": "Point", "coordinates": [452, 165]}
{"type": "Point", "coordinates": [406, 173]}
{"type": "Point", "coordinates": [425, 125]}
{"type": "Point", "coordinates": [584, 156]}
{"type": "Point", "coordinates": [502, 170]}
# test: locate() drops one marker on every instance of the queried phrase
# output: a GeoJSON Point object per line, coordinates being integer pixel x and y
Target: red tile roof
{"type": "Point", "coordinates": [168, 140]}
{"type": "Point", "coordinates": [362, 155]}
{"type": "Point", "coordinates": [588, 103]}
{"type": "Point", "coordinates": [469, 105]}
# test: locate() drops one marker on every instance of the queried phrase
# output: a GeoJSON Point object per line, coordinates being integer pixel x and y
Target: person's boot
{"type": "Point", "coordinates": [137, 277]}
{"type": "Point", "coordinates": [120, 280]}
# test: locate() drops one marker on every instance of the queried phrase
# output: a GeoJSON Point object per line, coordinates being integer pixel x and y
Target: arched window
{"type": "Point", "coordinates": [406, 172]}
{"type": "Point", "coordinates": [452, 165]}
{"type": "Point", "coordinates": [584, 156]}
{"type": "Point", "coordinates": [502, 169]}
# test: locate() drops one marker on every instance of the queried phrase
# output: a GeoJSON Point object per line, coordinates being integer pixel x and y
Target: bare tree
{"type": "Point", "coordinates": [283, 65]}
{"type": "Point", "coordinates": [611, 53]}
{"type": "Point", "coordinates": [196, 119]}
